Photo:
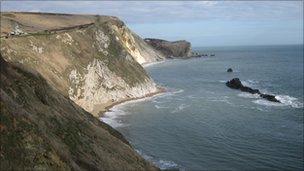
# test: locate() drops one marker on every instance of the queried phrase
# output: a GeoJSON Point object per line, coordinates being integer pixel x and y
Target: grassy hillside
{"type": "Point", "coordinates": [42, 129]}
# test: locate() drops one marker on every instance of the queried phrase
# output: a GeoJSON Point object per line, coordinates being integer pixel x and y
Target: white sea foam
{"type": "Point", "coordinates": [284, 99]}
{"type": "Point", "coordinates": [291, 101]}
{"type": "Point", "coordinates": [220, 99]}
{"type": "Point", "coordinates": [267, 103]}
{"type": "Point", "coordinates": [162, 164]}
{"type": "Point", "coordinates": [113, 122]}
{"type": "Point", "coordinates": [160, 107]}
{"type": "Point", "coordinates": [177, 91]}
{"type": "Point", "coordinates": [169, 93]}
{"type": "Point", "coordinates": [253, 81]}
{"type": "Point", "coordinates": [192, 97]}
{"type": "Point", "coordinates": [152, 63]}
{"type": "Point", "coordinates": [111, 117]}
{"type": "Point", "coordinates": [250, 83]}
{"type": "Point", "coordinates": [180, 108]}
{"type": "Point", "coordinates": [249, 95]}
{"type": "Point", "coordinates": [257, 108]}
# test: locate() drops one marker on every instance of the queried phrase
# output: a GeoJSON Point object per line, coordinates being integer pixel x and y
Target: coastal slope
{"type": "Point", "coordinates": [41, 129]}
{"type": "Point", "coordinates": [94, 60]}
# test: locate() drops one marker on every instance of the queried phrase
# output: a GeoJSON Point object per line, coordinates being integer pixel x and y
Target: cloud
{"type": "Point", "coordinates": [169, 11]}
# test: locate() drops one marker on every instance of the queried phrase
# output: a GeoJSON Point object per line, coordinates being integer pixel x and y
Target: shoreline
{"type": "Point", "coordinates": [145, 65]}
{"type": "Point", "coordinates": [108, 108]}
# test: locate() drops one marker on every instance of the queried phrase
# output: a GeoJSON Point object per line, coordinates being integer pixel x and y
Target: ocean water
{"type": "Point", "coordinates": [200, 124]}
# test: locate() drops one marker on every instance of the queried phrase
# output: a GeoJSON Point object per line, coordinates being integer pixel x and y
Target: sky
{"type": "Point", "coordinates": [203, 23]}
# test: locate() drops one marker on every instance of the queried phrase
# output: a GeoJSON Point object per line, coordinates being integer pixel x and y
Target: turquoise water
{"type": "Point", "coordinates": [200, 124]}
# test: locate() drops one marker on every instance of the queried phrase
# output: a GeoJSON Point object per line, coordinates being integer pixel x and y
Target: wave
{"type": "Point", "coordinates": [177, 91]}
{"type": "Point", "coordinates": [169, 93]}
{"type": "Point", "coordinates": [162, 164]}
{"type": "Point", "coordinates": [180, 108]}
{"type": "Point", "coordinates": [152, 63]}
{"type": "Point", "coordinates": [160, 107]}
{"type": "Point", "coordinates": [250, 83]}
{"type": "Point", "coordinates": [291, 101]}
{"type": "Point", "coordinates": [111, 117]}
{"type": "Point", "coordinates": [284, 99]}
{"type": "Point", "coordinates": [249, 95]}
{"type": "Point", "coordinates": [224, 99]}
{"type": "Point", "coordinates": [192, 97]}
{"type": "Point", "coordinates": [267, 103]}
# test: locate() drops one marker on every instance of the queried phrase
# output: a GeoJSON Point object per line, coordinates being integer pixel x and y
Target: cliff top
{"type": "Point", "coordinates": [30, 22]}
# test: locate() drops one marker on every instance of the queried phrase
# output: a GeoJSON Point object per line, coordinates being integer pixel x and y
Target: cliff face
{"type": "Point", "coordinates": [56, 71]}
{"type": "Point", "coordinates": [180, 48]}
{"type": "Point", "coordinates": [43, 130]}
{"type": "Point", "coordinates": [95, 61]}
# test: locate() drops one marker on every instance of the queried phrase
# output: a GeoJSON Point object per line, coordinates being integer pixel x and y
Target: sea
{"type": "Point", "coordinates": [201, 124]}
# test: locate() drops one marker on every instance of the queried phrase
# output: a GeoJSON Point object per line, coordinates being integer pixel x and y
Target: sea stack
{"type": "Point", "coordinates": [235, 83]}
{"type": "Point", "coordinates": [229, 70]}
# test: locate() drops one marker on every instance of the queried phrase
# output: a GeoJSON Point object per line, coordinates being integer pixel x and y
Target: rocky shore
{"type": "Point", "coordinates": [108, 107]}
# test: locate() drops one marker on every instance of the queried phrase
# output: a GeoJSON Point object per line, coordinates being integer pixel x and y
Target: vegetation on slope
{"type": "Point", "coordinates": [42, 129]}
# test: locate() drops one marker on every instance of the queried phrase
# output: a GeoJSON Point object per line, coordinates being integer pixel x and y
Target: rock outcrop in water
{"type": "Point", "coordinates": [235, 83]}
{"type": "Point", "coordinates": [179, 48]}
{"type": "Point", "coordinates": [229, 70]}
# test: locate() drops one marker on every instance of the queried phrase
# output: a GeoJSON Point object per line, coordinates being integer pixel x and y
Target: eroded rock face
{"type": "Point", "coordinates": [134, 45]}
{"type": "Point", "coordinates": [235, 83]}
{"type": "Point", "coordinates": [180, 48]}
{"type": "Point", "coordinates": [100, 85]}
{"type": "Point", "coordinates": [94, 65]}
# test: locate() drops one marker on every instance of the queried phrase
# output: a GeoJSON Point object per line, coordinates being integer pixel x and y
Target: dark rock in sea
{"type": "Point", "coordinates": [229, 70]}
{"type": "Point", "coordinates": [235, 83]}
{"type": "Point", "coordinates": [250, 90]}
{"type": "Point", "coordinates": [269, 97]}
{"type": "Point", "coordinates": [196, 55]}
